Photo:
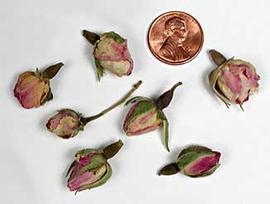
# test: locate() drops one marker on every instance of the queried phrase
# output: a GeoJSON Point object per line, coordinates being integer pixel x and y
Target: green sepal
{"type": "Point", "coordinates": [135, 100]}
{"type": "Point", "coordinates": [213, 76]}
{"type": "Point", "coordinates": [115, 36]}
{"type": "Point", "coordinates": [84, 152]}
{"type": "Point", "coordinates": [105, 178]}
{"type": "Point", "coordinates": [97, 161]}
{"type": "Point", "coordinates": [194, 148]}
{"type": "Point", "coordinates": [48, 97]}
{"type": "Point", "coordinates": [99, 69]}
{"type": "Point", "coordinates": [70, 167]}
{"type": "Point", "coordinates": [165, 125]}
{"type": "Point", "coordinates": [99, 182]}
{"type": "Point", "coordinates": [142, 107]}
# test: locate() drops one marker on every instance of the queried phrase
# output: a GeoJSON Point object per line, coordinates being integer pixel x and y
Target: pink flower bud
{"type": "Point", "coordinates": [31, 90]}
{"type": "Point", "coordinates": [91, 168]}
{"type": "Point", "coordinates": [111, 53]}
{"type": "Point", "coordinates": [234, 80]}
{"type": "Point", "coordinates": [142, 118]}
{"type": "Point", "coordinates": [238, 80]}
{"type": "Point", "coordinates": [194, 161]}
{"type": "Point", "coordinates": [198, 161]}
{"type": "Point", "coordinates": [146, 115]}
{"type": "Point", "coordinates": [65, 124]}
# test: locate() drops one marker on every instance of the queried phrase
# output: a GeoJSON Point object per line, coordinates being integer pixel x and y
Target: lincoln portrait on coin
{"type": "Point", "coordinates": [176, 33]}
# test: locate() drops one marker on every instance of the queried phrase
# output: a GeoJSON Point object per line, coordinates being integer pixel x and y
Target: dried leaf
{"type": "Point", "coordinates": [100, 69]}
{"type": "Point", "coordinates": [112, 149]}
{"type": "Point", "coordinates": [51, 71]}
{"type": "Point", "coordinates": [169, 169]}
{"type": "Point", "coordinates": [90, 36]}
{"type": "Point", "coordinates": [217, 57]}
{"type": "Point", "coordinates": [164, 100]}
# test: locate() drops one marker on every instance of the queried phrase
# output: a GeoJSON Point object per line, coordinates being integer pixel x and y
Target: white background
{"type": "Point", "coordinates": [33, 161]}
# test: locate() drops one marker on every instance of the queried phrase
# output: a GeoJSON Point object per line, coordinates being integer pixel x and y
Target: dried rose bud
{"type": "Point", "coordinates": [146, 115]}
{"type": "Point", "coordinates": [91, 168]}
{"type": "Point", "coordinates": [67, 123]}
{"type": "Point", "coordinates": [143, 117]}
{"type": "Point", "coordinates": [110, 52]}
{"type": "Point", "coordinates": [33, 88]}
{"type": "Point", "coordinates": [194, 161]}
{"type": "Point", "coordinates": [234, 80]}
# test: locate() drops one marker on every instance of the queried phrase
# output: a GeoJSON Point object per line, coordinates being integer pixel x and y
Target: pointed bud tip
{"type": "Point", "coordinates": [90, 36]}
{"type": "Point", "coordinates": [120, 143]}
{"type": "Point", "coordinates": [112, 149]}
{"type": "Point", "coordinates": [60, 64]}
{"type": "Point", "coordinates": [169, 169]}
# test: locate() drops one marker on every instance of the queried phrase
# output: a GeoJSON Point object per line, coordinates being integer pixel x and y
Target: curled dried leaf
{"type": "Point", "coordinates": [217, 57]}
{"type": "Point", "coordinates": [164, 100]}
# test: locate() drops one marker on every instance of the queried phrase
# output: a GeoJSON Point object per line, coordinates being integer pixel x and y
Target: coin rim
{"type": "Point", "coordinates": [164, 60]}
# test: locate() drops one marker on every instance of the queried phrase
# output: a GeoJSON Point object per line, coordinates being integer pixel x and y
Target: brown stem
{"type": "Point", "coordinates": [122, 100]}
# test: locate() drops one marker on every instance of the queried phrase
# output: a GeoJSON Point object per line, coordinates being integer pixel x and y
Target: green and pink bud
{"type": "Point", "coordinates": [67, 123]}
{"type": "Point", "coordinates": [234, 80]}
{"type": "Point", "coordinates": [111, 53]}
{"type": "Point", "coordinates": [146, 115]}
{"type": "Point", "coordinates": [90, 168]}
{"type": "Point", "coordinates": [33, 88]}
{"type": "Point", "coordinates": [194, 161]}
{"type": "Point", "coordinates": [142, 117]}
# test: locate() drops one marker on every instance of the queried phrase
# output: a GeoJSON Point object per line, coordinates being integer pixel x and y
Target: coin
{"type": "Point", "coordinates": [175, 38]}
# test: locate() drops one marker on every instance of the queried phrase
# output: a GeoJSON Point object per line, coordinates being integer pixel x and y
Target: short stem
{"type": "Point", "coordinates": [122, 100]}
{"type": "Point", "coordinates": [169, 169]}
{"type": "Point", "coordinates": [112, 149]}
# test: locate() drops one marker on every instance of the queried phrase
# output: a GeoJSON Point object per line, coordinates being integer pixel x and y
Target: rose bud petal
{"type": "Point", "coordinates": [234, 80]}
{"type": "Point", "coordinates": [194, 161]}
{"type": "Point", "coordinates": [91, 168]}
{"type": "Point", "coordinates": [65, 124]}
{"type": "Point", "coordinates": [33, 88]}
{"type": "Point", "coordinates": [111, 53]}
{"type": "Point", "coordinates": [146, 115]}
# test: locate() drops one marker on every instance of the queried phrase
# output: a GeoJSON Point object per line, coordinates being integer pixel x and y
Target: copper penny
{"type": "Point", "coordinates": [175, 37]}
